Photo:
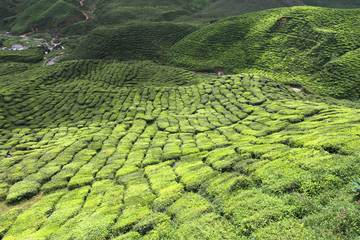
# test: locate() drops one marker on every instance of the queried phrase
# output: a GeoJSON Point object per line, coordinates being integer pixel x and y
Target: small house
{"type": "Point", "coordinates": [220, 72]}
{"type": "Point", "coordinates": [17, 47]}
{"type": "Point", "coordinates": [58, 47]}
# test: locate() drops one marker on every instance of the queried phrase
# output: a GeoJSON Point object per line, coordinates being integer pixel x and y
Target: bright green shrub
{"type": "Point", "coordinates": [149, 222]}
{"type": "Point", "coordinates": [24, 189]}
{"type": "Point", "coordinates": [189, 206]}
{"type": "Point", "coordinates": [36, 215]}
{"type": "Point", "coordinates": [193, 172]}
{"type": "Point", "coordinates": [7, 219]}
{"type": "Point", "coordinates": [251, 210]}
{"type": "Point", "coordinates": [130, 217]}
{"type": "Point", "coordinates": [207, 226]}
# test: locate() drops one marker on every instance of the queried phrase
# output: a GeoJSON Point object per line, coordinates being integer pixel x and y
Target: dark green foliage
{"type": "Point", "coordinates": [44, 15]}
{"type": "Point", "coordinates": [223, 8]}
{"type": "Point", "coordinates": [136, 41]}
{"type": "Point", "coordinates": [333, 3]}
{"type": "Point", "coordinates": [7, 8]}
{"type": "Point", "coordinates": [32, 55]}
{"type": "Point", "coordinates": [115, 12]}
{"type": "Point", "coordinates": [12, 67]}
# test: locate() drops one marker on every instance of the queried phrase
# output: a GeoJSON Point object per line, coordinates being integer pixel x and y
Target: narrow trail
{"type": "Point", "coordinates": [25, 204]}
{"type": "Point", "coordinates": [51, 61]}
{"type": "Point", "coordinates": [52, 41]}
{"type": "Point", "coordinates": [296, 89]}
{"type": "Point", "coordinates": [86, 16]}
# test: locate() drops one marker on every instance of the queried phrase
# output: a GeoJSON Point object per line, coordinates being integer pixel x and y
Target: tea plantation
{"type": "Point", "coordinates": [39, 15]}
{"type": "Point", "coordinates": [135, 41]}
{"type": "Point", "coordinates": [134, 150]}
{"type": "Point", "coordinates": [306, 43]}
{"type": "Point", "coordinates": [132, 135]}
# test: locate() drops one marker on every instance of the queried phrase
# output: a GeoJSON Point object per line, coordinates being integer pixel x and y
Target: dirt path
{"type": "Point", "coordinates": [51, 61]}
{"type": "Point", "coordinates": [24, 35]}
{"type": "Point", "coordinates": [86, 16]}
{"type": "Point", "coordinates": [25, 204]}
{"type": "Point", "coordinates": [296, 89]}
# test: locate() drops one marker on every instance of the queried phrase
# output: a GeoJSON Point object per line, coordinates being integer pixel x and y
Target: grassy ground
{"type": "Point", "coordinates": [133, 150]}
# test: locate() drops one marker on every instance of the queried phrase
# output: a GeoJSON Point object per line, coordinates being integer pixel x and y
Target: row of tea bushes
{"type": "Point", "coordinates": [308, 41]}
{"type": "Point", "coordinates": [132, 41]}
{"type": "Point", "coordinates": [235, 152]}
{"type": "Point", "coordinates": [31, 55]}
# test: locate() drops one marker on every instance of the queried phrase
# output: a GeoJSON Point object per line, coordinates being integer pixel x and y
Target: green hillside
{"type": "Point", "coordinates": [120, 12]}
{"type": "Point", "coordinates": [132, 135]}
{"type": "Point", "coordinates": [141, 41]}
{"type": "Point", "coordinates": [43, 15]}
{"type": "Point", "coordinates": [13, 67]}
{"type": "Point", "coordinates": [31, 55]}
{"type": "Point", "coordinates": [7, 8]}
{"type": "Point", "coordinates": [133, 150]}
{"type": "Point", "coordinates": [67, 16]}
{"type": "Point", "coordinates": [224, 8]}
{"type": "Point", "coordinates": [333, 3]}
{"type": "Point", "coordinates": [308, 41]}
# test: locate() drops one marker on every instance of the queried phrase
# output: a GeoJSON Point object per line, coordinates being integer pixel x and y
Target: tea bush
{"type": "Point", "coordinates": [104, 149]}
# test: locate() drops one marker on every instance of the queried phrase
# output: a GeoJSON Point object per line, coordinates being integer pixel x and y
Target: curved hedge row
{"type": "Point", "coordinates": [340, 77]}
{"type": "Point", "coordinates": [235, 157]}
{"type": "Point", "coordinates": [13, 67]}
{"type": "Point", "coordinates": [31, 55]}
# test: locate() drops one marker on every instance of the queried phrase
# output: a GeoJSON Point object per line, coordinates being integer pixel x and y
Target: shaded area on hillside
{"type": "Point", "coordinates": [137, 41]}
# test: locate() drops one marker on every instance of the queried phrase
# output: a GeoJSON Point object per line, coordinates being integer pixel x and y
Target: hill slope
{"type": "Point", "coordinates": [120, 12]}
{"type": "Point", "coordinates": [7, 8]}
{"type": "Point", "coordinates": [294, 41]}
{"type": "Point", "coordinates": [43, 15]}
{"type": "Point", "coordinates": [106, 154]}
{"type": "Point", "coordinates": [225, 8]}
{"type": "Point", "coordinates": [67, 16]}
{"type": "Point", "coordinates": [141, 41]}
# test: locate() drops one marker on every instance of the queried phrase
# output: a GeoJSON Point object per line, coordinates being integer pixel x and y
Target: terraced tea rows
{"type": "Point", "coordinates": [104, 156]}
{"type": "Point", "coordinates": [311, 45]}
{"type": "Point", "coordinates": [32, 55]}
{"type": "Point", "coordinates": [136, 41]}
{"type": "Point", "coordinates": [41, 15]}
